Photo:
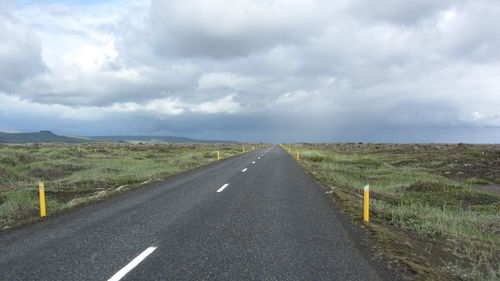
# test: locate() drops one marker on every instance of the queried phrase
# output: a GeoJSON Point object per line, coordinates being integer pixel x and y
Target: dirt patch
{"type": "Point", "coordinates": [493, 188]}
{"type": "Point", "coordinates": [419, 254]}
{"type": "Point", "coordinates": [65, 196]}
{"type": "Point", "coordinates": [110, 170]}
{"type": "Point", "coordinates": [55, 171]}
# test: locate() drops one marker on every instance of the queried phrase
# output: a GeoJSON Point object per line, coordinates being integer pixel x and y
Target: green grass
{"type": "Point", "coordinates": [19, 205]}
{"type": "Point", "coordinates": [475, 153]}
{"type": "Point", "coordinates": [477, 181]}
{"type": "Point", "coordinates": [409, 193]}
{"type": "Point", "coordinates": [76, 173]}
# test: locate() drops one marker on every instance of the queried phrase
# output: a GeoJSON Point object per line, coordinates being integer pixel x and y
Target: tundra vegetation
{"type": "Point", "coordinates": [428, 212]}
{"type": "Point", "coordinates": [74, 174]}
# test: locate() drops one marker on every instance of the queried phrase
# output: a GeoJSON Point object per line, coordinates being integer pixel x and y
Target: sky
{"type": "Point", "coordinates": [253, 70]}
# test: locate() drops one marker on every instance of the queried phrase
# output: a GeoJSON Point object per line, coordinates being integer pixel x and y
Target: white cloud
{"type": "Point", "coordinates": [91, 57]}
{"type": "Point", "coordinates": [222, 79]}
{"type": "Point", "coordinates": [294, 97]}
{"type": "Point", "coordinates": [168, 106]}
{"type": "Point", "coordinates": [10, 105]}
{"type": "Point", "coordinates": [481, 118]}
{"type": "Point", "coordinates": [158, 107]}
{"type": "Point", "coordinates": [223, 105]}
{"type": "Point", "coordinates": [449, 15]}
{"type": "Point", "coordinates": [475, 116]}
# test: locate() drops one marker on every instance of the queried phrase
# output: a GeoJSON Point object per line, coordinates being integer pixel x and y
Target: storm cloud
{"type": "Point", "coordinates": [251, 70]}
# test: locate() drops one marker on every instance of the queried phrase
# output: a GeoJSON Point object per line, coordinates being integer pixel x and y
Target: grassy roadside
{"type": "Point", "coordinates": [425, 212]}
{"type": "Point", "coordinates": [79, 173]}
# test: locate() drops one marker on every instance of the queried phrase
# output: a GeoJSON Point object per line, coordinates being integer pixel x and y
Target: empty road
{"type": "Point", "coordinates": [256, 216]}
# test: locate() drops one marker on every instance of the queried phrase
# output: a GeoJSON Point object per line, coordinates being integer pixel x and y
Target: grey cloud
{"type": "Point", "coordinates": [370, 70]}
{"type": "Point", "coordinates": [20, 54]}
{"type": "Point", "coordinates": [475, 36]}
{"type": "Point", "coordinates": [225, 29]}
{"type": "Point", "coordinates": [400, 12]}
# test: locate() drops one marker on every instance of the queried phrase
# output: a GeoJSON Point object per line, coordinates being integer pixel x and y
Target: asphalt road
{"type": "Point", "coordinates": [256, 216]}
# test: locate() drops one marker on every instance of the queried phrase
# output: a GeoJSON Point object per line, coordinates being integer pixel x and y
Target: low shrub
{"type": "Point", "coordinates": [16, 206]}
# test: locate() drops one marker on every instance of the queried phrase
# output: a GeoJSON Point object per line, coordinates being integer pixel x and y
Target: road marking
{"type": "Point", "coordinates": [258, 157]}
{"type": "Point", "coordinates": [244, 170]}
{"type": "Point", "coordinates": [120, 274]}
{"type": "Point", "coordinates": [222, 187]}
{"type": "Point", "coordinates": [253, 162]}
{"type": "Point", "coordinates": [262, 155]}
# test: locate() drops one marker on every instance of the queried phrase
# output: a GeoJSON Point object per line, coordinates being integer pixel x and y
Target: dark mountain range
{"type": "Point", "coordinates": [48, 136]}
{"type": "Point", "coordinates": [42, 136]}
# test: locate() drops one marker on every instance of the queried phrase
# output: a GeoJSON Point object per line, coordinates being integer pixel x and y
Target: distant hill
{"type": "Point", "coordinates": [48, 136]}
{"type": "Point", "coordinates": [153, 139]}
{"type": "Point", "coordinates": [42, 136]}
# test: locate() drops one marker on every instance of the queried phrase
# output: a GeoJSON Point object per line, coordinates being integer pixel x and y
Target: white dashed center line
{"type": "Point", "coordinates": [253, 162]}
{"type": "Point", "coordinates": [244, 170]}
{"type": "Point", "coordinates": [222, 187]}
{"type": "Point", "coordinates": [120, 274]}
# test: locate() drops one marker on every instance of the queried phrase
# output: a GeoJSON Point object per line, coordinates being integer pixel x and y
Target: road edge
{"type": "Point", "coordinates": [362, 237]}
{"type": "Point", "coordinates": [113, 194]}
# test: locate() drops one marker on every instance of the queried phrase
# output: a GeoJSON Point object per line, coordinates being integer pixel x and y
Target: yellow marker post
{"type": "Point", "coordinates": [366, 205]}
{"type": "Point", "coordinates": [298, 156]}
{"type": "Point", "coordinates": [253, 147]}
{"type": "Point", "coordinates": [41, 191]}
{"type": "Point", "coordinates": [218, 155]}
{"type": "Point", "coordinates": [243, 149]}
